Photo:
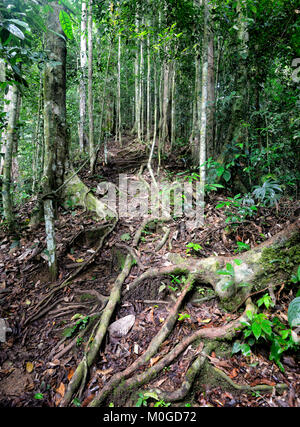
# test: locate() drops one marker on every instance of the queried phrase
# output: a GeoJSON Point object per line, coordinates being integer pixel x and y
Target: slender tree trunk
{"type": "Point", "coordinates": [137, 125]}
{"type": "Point", "coordinates": [83, 70]}
{"type": "Point", "coordinates": [210, 95]}
{"type": "Point", "coordinates": [148, 87]}
{"type": "Point", "coordinates": [141, 90]}
{"type": "Point", "coordinates": [90, 88]}
{"type": "Point", "coordinates": [173, 105]}
{"type": "Point", "coordinates": [103, 95]}
{"type": "Point", "coordinates": [55, 132]}
{"type": "Point", "coordinates": [194, 137]}
{"type": "Point", "coordinates": [203, 114]}
{"type": "Point", "coordinates": [165, 131]}
{"type": "Point", "coordinates": [119, 123]}
{"type": "Point", "coordinates": [37, 141]}
{"type": "Point", "coordinates": [12, 98]}
{"type": "Point", "coordinates": [236, 130]}
{"type": "Point", "coordinates": [156, 101]}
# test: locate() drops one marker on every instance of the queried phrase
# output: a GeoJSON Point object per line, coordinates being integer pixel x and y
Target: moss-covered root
{"type": "Point", "coordinates": [245, 388]}
{"type": "Point", "coordinates": [189, 378]}
{"type": "Point", "coordinates": [226, 332]}
{"type": "Point", "coordinates": [79, 194]}
{"type": "Point", "coordinates": [44, 306]}
{"type": "Point", "coordinates": [151, 350]}
{"type": "Point", "coordinates": [79, 376]}
{"type": "Point", "coordinates": [254, 268]}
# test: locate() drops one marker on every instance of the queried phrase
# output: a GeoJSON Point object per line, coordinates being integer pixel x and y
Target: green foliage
{"type": "Point", "coordinates": [66, 24]}
{"type": "Point", "coordinates": [268, 193]}
{"type": "Point", "coordinates": [183, 316]}
{"type": "Point", "coordinates": [296, 279]}
{"type": "Point", "coordinates": [236, 209]}
{"type": "Point", "coordinates": [294, 313]}
{"type": "Point", "coordinates": [265, 300]}
{"type": "Point", "coordinates": [79, 325]}
{"type": "Point", "coordinates": [242, 247]}
{"type": "Point", "coordinates": [229, 270]}
{"type": "Point", "coordinates": [195, 247]}
{"type": "Point", "coordinates": [143, 398]}
{"type": "Point", "coordinates": [39, 396]}
{"type": "Point", "coordinates": [260, 329]}
{"type": "Point", "coordinates": [76, 402]}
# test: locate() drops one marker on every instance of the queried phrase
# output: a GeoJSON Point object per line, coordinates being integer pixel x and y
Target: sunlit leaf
{"type": "Point", "coordinates": [66, 24]}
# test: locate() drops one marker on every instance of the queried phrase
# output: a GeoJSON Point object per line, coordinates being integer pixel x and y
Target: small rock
{"type": "Point", "coordinates": [122, 326]}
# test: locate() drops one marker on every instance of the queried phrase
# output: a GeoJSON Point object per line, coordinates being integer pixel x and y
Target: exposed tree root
{"type": "Point", "coordinates": [78, 379]}
{"type": "Point", "coordinates": [225, 332]}
{"type": "Point", "coordinates": [163, 240]}
{"type": "Point", "coordinates": [151, 350]}
{"type": "Point", "coordinates": [43, 306]}
{"type": "Point", "coordinates": [190, 375]}
{"type": "Point", "coordinates": [247, 388]}
{"type": "Point", "coordinates": [248, 268]}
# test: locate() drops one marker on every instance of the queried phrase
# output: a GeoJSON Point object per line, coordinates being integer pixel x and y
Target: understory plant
{"type": "Point", "coordinates": [258, 329]}
{"type": "Point", "coordinates": [267, 194]}
{"type": "Point", "coordinates": [237, 209]}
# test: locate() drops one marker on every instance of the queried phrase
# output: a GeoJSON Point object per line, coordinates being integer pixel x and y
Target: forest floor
{"type": "Point", "coordinates": [37, 362]}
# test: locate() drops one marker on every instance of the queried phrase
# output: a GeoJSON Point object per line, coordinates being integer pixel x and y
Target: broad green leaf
{"type": "Point", "coordinates": [13, 29]}
{"type": "Point", "coordinates": [236, 347]}
{"type": "Point", "coordinates": [294, 313]}
{"type": "Point", "coordinates": [245, 349]}
{"type": "Point", "coordinates": [39, 396]}
{"type": "Point", "coordinates": [227, 175]}
{"type": "Point", "coordinates": [256, 329]}
{"type": "Point", "coordinates": [152, 395]}
{"type": "Point", "coordinates": [230, 269]}
{"type": "Point", "coordinates": [66, 24]}
{"type": "Point", "coordinates": [266, 327]}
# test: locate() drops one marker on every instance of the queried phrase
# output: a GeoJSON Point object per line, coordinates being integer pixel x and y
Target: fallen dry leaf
{"type": "Point", "coordinates": [233, 373]}
{"type": "Point", "coordinates": [105, 371]}
{"type": "Point", "coordinates": [61, 389]}
{"type": "Point", "coordinates": [71, 257]}
{"type": "Point", "coordinates": [154, 360]}
{"type": "Point", "coordinates": [29, 367]}
{"type": "Point", "coordinates": [87, 400]}
{"type": "Point", "coordinates": [70, 373]}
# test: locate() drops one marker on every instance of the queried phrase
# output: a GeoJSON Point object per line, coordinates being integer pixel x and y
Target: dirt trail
{"type": "Point", "coordinates": [39, 358]}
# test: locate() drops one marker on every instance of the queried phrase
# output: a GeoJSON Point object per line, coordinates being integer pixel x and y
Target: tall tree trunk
{"type": "Point", "coordinates": [141, 90]}
{"type": "Point", "coordinates": [83, 70]}
{"type": "Point", "coordinates": [202, 115]}
{"type": "Point", "coordinates": [210, 94]}
{"type": "Point", "coordinates": [148, 86]}
{"type": "Point", "coordinates": [236, 130]}
{"type": "Point", "coordinates": [165, 130]}
{"type": "Point", "coordinates": [194, 141]}
{"type": "Point", "coordinates": [119, 121]}
{"type": "Point", "coordinates": [137, 124]}
{"type": "Point", "coordinates": [37, 158]}
{"type": "Point", "coordinates": [103, 94]}
{"type": "Point", "coordinates": [54, 129]}
{"type": "Point", "coordinates": [12, 112]}
{"type": "Point", "coordinates": [173, 105]}
{"type": "Point", "coordinates": [90, 87]}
